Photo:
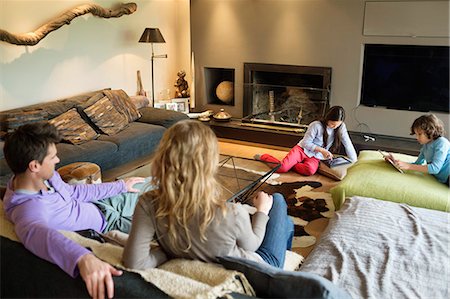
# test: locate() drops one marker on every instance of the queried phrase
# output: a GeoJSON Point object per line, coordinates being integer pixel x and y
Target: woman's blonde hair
{"type": "Point", "coordinates": [184, 168]}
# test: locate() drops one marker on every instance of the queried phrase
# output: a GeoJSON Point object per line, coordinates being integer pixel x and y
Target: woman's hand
{"type": "Point", "coordinates": [130, 182]}
{"type": "Point", "coordinates": [263, 202]}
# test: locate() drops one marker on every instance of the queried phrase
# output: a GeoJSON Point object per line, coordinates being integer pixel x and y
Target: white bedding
{"type": "Point", "coordinates": [381, 249]}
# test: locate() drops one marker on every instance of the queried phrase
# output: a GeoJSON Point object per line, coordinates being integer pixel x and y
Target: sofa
{"type": "Point", "coordinates": [24, 275]}
{"type": "Point", "coordinates": [126, 138]}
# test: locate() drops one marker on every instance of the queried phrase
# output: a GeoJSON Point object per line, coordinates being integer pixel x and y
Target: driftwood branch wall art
{"type": "Point", "coordinates": [32, 38]}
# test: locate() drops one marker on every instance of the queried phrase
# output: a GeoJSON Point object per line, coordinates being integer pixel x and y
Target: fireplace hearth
{"type": "Point", "coordinates": [284, 95]}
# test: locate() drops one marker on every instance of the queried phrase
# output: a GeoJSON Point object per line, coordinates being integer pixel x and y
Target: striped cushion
{"type": "Point", "coordinates": [105, 116]}
{"type": "Point", "coordinates": [10, 121]}
{"type": "Point", "coordinates": [73, 128]}
{"type": "Point", "coordinates": [123, 104]}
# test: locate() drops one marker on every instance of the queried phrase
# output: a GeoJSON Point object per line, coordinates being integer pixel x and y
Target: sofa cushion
{"type": "Point", "coordinates": [106, 117]}
{"type": "Point", "coordinates": [102, 153]}
{"type": "Point", "coordinates": [73, 128]}
{"type": "Point", "coordinates": [136, 140]}
{"type": "Point", "coordinates": [373, 177]}
{"type": "Point", "coordinates": [272, 282]}
{"type": "Point", "coordinates": [161, 117]}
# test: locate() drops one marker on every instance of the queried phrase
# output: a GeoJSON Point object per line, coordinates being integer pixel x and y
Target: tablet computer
{"type": "Point", "coordinates": [388, 157]}
{"type": "Point", "coordinates": [336, 161]}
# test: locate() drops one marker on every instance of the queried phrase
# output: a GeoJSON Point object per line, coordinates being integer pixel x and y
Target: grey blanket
{"type": "Point", "coordinates": [380, 249]}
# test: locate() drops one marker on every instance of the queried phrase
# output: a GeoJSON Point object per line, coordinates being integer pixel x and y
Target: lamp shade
{"type": "Point", "coordinates": [152, 35]}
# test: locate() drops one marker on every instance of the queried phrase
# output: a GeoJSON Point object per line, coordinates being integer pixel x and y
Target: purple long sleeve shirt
{"type": "Point", "coordinates": [38, 217]}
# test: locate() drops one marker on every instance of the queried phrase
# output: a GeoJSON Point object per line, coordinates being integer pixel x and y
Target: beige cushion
{"type": "Point", "coordinates": [337, 173]}
{"type": "Point", "coordinates": [105, 116]}
{"type": "Point", "coordinates": [140, 101]}
{"type": "Point", "coordinates": [73, 128]}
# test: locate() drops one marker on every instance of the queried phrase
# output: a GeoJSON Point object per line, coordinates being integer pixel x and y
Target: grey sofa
{"type": "Point", "coordinates": [137, 140]}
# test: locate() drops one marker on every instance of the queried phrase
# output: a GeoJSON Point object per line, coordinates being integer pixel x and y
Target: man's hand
{"type": "Point", "coordinates": [263, 202]}
{"type": "Point", "coordinates": [129, 183]}
{"type": "Point", "coordinates": [97, 274]}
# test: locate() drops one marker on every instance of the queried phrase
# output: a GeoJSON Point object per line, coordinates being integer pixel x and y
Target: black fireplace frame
{"type": "Point", "coordinates": [249, 68]}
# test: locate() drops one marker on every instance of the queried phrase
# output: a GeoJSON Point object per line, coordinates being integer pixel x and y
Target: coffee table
{"type": "Point", "coordinates": [241, 177]}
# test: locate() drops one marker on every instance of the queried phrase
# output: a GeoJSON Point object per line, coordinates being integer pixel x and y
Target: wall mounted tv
{"type": "Point", "coordinates": [406, 77]}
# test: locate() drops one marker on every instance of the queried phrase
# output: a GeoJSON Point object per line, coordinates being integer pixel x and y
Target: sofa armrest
{"type": "Point", "coordinates": [165, 118]}
{"type": "Point", "coordinates": [24, 275]}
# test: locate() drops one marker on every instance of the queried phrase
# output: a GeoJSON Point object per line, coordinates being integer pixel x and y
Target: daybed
{"type": "Point", "coordinates": [371, 176]}
{"type": "Point", "coordinates": [380, 249]}
{"type": "Point", "coordinates": [109, 141]}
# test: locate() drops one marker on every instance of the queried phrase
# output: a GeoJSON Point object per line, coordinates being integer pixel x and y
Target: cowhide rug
{"type": "Point", "coordinates": [304, 204]}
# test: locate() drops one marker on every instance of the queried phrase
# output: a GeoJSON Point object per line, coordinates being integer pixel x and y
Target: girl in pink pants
{"type": "Point", "coordinates": [322, 138]}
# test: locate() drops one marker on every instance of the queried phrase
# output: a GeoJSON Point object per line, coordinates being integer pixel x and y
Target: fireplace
{"type": "Point", "coordinates": [286, 96]}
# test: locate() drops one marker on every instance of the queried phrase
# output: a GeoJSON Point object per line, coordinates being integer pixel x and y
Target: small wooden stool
{"type": "Point", "coordinates": [81, 173]}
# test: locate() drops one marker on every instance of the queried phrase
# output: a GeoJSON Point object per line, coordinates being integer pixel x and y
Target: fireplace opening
{"type": "Point", "coordinates": [285, 95]}
{"type": "Point", "coordinates": [219, 84]}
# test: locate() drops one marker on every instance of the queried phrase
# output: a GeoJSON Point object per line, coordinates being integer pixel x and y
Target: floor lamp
{"type": "Point", "coordinates": [153, 35]}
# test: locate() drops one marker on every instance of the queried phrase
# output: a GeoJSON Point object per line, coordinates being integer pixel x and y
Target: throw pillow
{"type": "Point", "coordinates": [272, 282]}
{"type": "Point", "coordinates": [73, 128]}
{"type": "Point", "coordinates": [336, 173]}
{"type": "Point", "coordinates": [92, 100]}
{"type": "Point", "coordinates": [9, 121]}
{"type": "Point", "coordinates": [105, 116]}
{"type": "Point", "coordinates": [140, 101]}
{"type": "Point", "coordinates": [123, 104]}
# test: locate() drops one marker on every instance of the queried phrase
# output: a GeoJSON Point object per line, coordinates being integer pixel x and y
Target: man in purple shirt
{"type": "Point", "coordinates": [40, 203]}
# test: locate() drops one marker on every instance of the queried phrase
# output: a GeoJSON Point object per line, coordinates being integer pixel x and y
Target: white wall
{"type": "Point", "coordinates": [90, 53]}
{"type": "Point", "coordinates": [227, 33]}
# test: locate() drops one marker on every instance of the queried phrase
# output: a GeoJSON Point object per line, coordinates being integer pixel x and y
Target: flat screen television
{"type": "Point", "coordinates": [406, 77]}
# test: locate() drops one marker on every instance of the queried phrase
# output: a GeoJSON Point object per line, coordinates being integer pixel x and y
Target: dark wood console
{"type": "Point", "coordinates": [234, 130]}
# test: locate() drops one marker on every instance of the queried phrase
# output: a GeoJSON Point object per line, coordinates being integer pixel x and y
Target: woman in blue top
{"type": "Point", "coordinates": [322, 138]}
{"type": "Point", "coordinates": [435, 151]}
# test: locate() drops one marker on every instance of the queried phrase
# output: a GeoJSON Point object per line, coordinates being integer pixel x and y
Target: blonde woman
{"type": "Point", "coordinates": [186, 217]}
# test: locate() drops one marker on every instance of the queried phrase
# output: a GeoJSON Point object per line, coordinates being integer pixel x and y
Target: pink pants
{"type": "Point", "coordinates": [296, 160]}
